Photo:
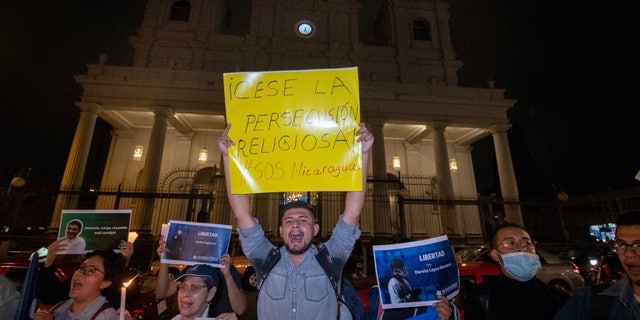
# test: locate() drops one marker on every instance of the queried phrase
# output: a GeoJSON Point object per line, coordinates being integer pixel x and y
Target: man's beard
{"type": "Point", "coordinates": [298, 251]}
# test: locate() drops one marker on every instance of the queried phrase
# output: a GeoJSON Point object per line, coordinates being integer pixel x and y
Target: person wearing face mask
{"type": "Point", "coordinates": [515, 293]}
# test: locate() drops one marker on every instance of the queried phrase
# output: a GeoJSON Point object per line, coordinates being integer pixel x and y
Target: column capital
{"type": "Point", "coordinates": [91, 107]}
{"type": "Point", "coordinates": [438, 124]}
{"type": "Point", "coordinates": [375, 122]}
{"type": "Point", "coordinates": [163, 111]}
{"type": "Point", "coordinates": [499, 127]}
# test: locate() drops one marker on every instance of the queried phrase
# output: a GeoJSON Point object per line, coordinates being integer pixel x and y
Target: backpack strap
{"type": "Point", "coordinates": [332, 269]}
{"type": "Point", "coordinates": [600, 304]}
{"type": "Point", "coordinates": [270, 262]}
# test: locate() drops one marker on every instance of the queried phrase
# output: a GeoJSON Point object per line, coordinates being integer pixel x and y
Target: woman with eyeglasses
{"type": "Point", "coordinates": [54, 286]}
{"type": "Point", "coordinates": [197, 287]}
{"type": "Point", "coordinates": [92, 281]}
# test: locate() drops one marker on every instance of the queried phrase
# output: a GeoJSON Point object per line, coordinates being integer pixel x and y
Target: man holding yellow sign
{"type": "Point", "coordinates": [297, 286]}
{"type": "Point", "coordinates": [296, 130]}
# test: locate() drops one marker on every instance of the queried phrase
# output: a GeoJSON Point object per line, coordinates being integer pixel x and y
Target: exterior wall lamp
{"type": "Point", "coordinates": [203, 156]}
{"type": "Point", "coordinates": [137, 152]}
{"type": "Point", "coordinates": [396, 163]}
{"type": "Point", "coordinates": [453, 165]}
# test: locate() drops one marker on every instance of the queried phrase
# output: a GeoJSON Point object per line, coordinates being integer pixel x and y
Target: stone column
{"type": "Point", "coordinates": [508, 184]}
{"type": "Point", "coordinates": [76, 163]}
{"type": "Point", "coordinates": [151, 171]}
{"type": "Point", "coordinates": [441, 156]}
{"type": "Point", "coordinates": [381, 207]}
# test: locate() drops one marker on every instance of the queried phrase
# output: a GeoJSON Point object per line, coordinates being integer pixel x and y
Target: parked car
{"type": "Point", "coordinates": [598, 264]}
{"type": "Point", "coordinates": [246, 271]}
{"type": "Point", "coordinates": [556, 272]}
{"type": "Point", "coordinates": [472, 273]}
{"type": "Point", "coordinates": [15, 269]}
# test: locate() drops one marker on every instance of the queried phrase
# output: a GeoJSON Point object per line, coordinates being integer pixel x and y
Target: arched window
{"type": "Point", "coordinates": [180, 11]}
{"type": "Point", "coordinates": [421, 30]}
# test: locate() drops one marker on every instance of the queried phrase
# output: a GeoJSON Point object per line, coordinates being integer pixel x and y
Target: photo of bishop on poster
{"type": "Point", "coordinates": [192, 243]}
{"type": "Point", "coordinates": [411, 274]}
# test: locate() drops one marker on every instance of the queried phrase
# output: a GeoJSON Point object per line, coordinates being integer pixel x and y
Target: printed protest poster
{"type": "Point", "coordinates": [294, 130]}
{"type": "Point", "coordinates": [88, 230]}
{"type": "Point", "coordinates": [411, 274]}
{"type": "Point", "coordinates": [192, 243]}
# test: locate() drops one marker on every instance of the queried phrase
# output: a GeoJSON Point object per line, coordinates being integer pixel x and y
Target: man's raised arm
{"type": "Point", "coordinates": [355, 199]}
{"type": "Point", "coordinates": [240, 204]}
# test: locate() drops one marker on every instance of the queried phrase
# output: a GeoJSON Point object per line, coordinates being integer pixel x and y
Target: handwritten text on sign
{"type": "Point", "coordinates": [294, 130]}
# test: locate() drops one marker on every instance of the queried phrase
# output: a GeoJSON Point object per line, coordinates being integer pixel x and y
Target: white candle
{"type": "Point", "coordinates": [123, 298]}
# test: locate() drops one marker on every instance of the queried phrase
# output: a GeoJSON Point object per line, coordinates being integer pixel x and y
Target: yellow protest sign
{"type": "Point", "coordinates": [294, 130]}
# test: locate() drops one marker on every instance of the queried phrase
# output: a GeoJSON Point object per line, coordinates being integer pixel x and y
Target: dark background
{"type": "Point", "coordinates": [568, 64]}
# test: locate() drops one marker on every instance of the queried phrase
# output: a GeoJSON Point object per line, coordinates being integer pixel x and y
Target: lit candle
{"type": "Point", "coordinates": [123, 298]}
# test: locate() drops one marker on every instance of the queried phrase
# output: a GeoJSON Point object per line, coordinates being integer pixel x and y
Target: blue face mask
{"type": "Point", "coordinates": [522, 266]}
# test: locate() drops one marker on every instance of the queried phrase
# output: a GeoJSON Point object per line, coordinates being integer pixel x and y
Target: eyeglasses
{"type": "Point", "coordinates": [621, 247]}
{"type": "Point", "coordinates": [87, 270]}
{"type": "Point", "coordinates": [526, 244]}
{"type": "Point", "coordinates": [192, 289]}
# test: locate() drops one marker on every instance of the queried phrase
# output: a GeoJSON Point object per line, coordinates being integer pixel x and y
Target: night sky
{"type": "Point", "coordinates": [569, 67]}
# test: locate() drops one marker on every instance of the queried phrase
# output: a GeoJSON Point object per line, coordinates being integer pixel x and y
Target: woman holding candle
{"type": "Point", "coordinates": [95, 278]}
{"type": "Point", "coordinates": [54, 289]}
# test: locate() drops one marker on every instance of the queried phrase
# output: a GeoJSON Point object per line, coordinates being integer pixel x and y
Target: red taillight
{"type": "Point", "coordinates": [575, 268]}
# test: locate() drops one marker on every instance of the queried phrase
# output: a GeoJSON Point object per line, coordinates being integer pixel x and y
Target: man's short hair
{"type": "Point", "coordinates": [298, 204]}
{"type": "Point", "coordinates": [494, 237]}
{"type": "Point", "coordinates": [397, 264]}
{"type": "Point", "coordinates": [75, 222]}
{"type": "Point", "coordinates": [628, 218]}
